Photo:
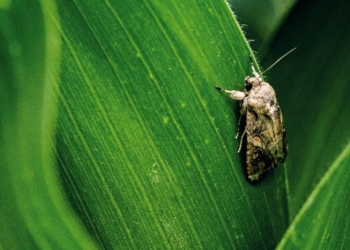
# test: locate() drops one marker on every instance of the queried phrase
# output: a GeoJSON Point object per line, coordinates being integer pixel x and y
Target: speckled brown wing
{"type": "Point", "coordinates": [266, 142]}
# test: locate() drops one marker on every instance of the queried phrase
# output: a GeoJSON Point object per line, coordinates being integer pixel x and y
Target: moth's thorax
{"type": "Point", "coordinates": [262, 90]}
{"type": "Point", "coordinates": [260, 98]}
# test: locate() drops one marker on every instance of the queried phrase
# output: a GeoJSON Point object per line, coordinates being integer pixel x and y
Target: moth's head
{"type": "Point", "coordinates": [251, 82]}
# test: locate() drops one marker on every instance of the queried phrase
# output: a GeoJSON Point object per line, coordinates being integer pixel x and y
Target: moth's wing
{"type": "Point", "coordinates": [276, 130]}
{"type": "Point", "coordinates": [258, 159]}
{"type": "Point", "coordinates": [266, 142]}
{"type": "Point", "coordinates": [275, 135]}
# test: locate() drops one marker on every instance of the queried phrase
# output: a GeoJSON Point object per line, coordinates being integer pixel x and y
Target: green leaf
{"type": "Point", "coordinates": [313, 88]}
{"type": "Point", "coordinates": [34, 212]}
{"type": "Point", "coordinates": [261, 20]}
{"type": "Point", "coordinates": [145, 142]}
{"type": "Point", "coordinates": [323, 220]}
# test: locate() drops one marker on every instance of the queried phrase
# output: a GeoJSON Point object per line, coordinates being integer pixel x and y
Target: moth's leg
{"type": "Point", "coordinates": [237, 95]}
{"type": "Point", "coordinates": [224, 90]}
{"type": "Point", "coordinates": [238, 126]}
{"type": "Point", "coordinates": [241, 141]}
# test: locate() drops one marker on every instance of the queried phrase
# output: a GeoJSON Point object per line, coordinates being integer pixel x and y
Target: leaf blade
{"type": "Point", "coordinates": [145, 141]}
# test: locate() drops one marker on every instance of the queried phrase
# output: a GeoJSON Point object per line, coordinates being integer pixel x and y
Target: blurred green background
{"type": "Point", "coordinates": [113, 136]}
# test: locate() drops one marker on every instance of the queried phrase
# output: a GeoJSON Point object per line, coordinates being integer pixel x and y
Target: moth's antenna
{"type": "Point", "coordinates": [279, 60]}
{"type": "Point", "coordinates": [256, 74]}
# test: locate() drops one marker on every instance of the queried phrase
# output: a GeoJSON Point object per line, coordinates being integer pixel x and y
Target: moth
{"type": "Point", "coordinates": [264, 129]}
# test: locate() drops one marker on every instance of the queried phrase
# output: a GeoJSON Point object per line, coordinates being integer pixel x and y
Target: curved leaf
{"type": "Point", "coordinates": [314, 87]}
{"type": "Point", "coordinates": [262, 20]}
{"type": "Point", "coordinates": [324, 218]}
{"type": "Point", "coordinates": [145, 142]}
{"type": "Point", "coordinates": [34, 212]}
